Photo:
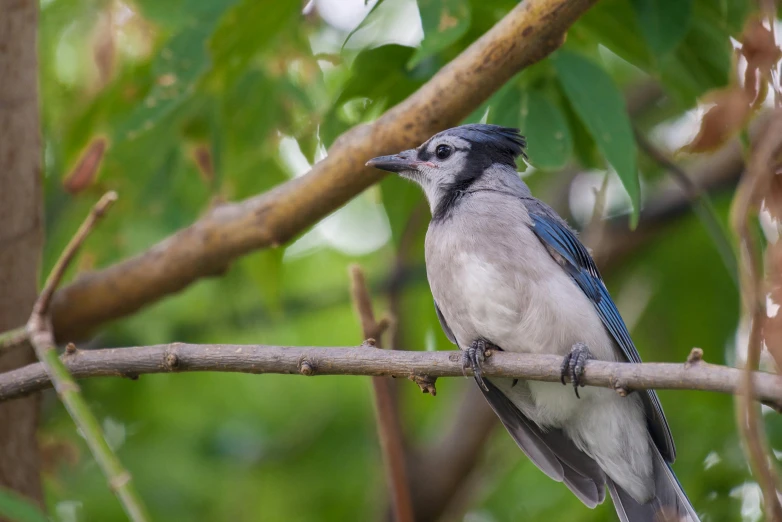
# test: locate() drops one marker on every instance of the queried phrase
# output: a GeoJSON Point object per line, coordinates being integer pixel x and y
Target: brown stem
{"type": "Point", "coordinates": [387, 416]}
{"type": "Point", "coordinates": [752, 187]}
{"type": "Point", "coordinates": [45, 297]}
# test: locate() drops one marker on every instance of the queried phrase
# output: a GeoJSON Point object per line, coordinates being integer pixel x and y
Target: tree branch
{"type": "Point", "coordinates": [388, 427]}
{"type": "Point", "coordinates": [13, 338]}
{"type": "Point", "coordinates": [527, 34]}
{"type": "Point", "coordinates": [39, 330]}
{"type": "Point", "coordinates": [363, 360]}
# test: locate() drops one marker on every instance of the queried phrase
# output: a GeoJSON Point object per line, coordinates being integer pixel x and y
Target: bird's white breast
{"type": "Point", "coordinates": [499, 283]}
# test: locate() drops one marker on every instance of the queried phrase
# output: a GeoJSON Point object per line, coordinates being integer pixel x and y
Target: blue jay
{"type": "Point", "coordinates": [507, 272]}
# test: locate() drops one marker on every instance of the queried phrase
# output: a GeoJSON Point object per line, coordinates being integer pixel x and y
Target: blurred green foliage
{"type": "Point", "coordinates": [203, 101]}
{"type": "Point", "coordinates": [18, 509]}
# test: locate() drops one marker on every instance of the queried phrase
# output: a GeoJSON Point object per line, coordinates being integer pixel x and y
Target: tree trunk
{"type": "Point", "coordinates": [20, 230]}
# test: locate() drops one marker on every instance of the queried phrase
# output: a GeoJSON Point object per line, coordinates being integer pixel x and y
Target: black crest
{"type": "Point", "coordinates": [495, 143]}
{"type": "Point", "coordinates": [489, 144]}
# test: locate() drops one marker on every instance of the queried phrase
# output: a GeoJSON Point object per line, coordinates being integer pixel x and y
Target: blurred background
{"type": "Point", "coordinates": [179, 105]}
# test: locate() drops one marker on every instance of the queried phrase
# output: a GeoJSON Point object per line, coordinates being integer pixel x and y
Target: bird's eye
{"type": "Point", "coordinates": [443, 151]}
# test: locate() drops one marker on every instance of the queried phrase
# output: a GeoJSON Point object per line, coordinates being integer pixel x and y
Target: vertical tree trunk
{"type": "Point", "coordinates": [20, 229]}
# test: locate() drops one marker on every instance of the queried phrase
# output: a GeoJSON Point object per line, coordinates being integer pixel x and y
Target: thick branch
{"type": "Point", "coordinates": [363, 360]}
{"type": "Point", "coordinates": [21, 230]}
{"type": "Point", "coordinates": [527, 34]}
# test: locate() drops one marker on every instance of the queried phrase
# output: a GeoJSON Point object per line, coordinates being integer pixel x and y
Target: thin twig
{"type": "Point", "coordinates": [44, 299]}
{"type": "Point", "coordinates": [388, 426]}
{"type": "Point", "coordinates": [701, 203]}
{"type": "Point", "coordinates": [317, 360]}
{"type": "Point", "coordinates": [39, 330]}
{"type": "Point", "coordinates": [595, 229]}
{"type": "Point", "coordinates": [751, 188]}
{"type": "Point", "coordinates": [13, 338]}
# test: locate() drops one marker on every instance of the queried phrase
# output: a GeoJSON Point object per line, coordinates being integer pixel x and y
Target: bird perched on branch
{"type": "Point", "coordinates": [508, 273]}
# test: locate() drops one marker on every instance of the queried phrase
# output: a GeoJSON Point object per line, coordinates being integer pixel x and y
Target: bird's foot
{"type": "Point", "coordinates": [573, 365]}
{"type": "Point", "coordinates": [473, 359]}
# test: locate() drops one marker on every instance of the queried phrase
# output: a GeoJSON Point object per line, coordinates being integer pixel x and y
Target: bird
{"type": "Point", "coordinates": [508, 273]}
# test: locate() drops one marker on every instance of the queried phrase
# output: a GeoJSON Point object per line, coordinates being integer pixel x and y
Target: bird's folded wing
{"type": "Point", "coordinates": [446, 329]}
{"type": "Point", "coordinates": [550, 450]}
{"type": "Point", "coordinates": [569, 252]}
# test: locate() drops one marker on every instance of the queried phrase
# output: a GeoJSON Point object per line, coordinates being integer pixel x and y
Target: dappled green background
{"type": "Point", "coordinates": [202, 101]}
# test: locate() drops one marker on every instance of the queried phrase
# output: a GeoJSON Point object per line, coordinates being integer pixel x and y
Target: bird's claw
{"type": "Point", "coordinates": [473, 358]}
{"type": "Point", "coordinates": [573, 365]}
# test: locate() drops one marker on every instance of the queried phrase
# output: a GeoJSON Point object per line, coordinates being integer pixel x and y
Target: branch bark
{"type": "Point", "coordinates": [21, 230]}
{"type": "Point", "coordinates": [386, 411]}
{"type": "Point", "coordinates": [527, 34]}
{"type": "Point", "coordinates": [363, 360]}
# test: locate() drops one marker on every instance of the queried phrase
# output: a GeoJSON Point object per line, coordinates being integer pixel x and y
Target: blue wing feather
{"type": "Point", "coordinates": [575, 259]}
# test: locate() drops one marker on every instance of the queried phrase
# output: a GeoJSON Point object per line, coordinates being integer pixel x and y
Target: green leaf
{"type": "Point", "coordinates": [733, 12]}
{"type": "Point", "coordinates": [584, 146]}
{"type": "Point", "coordinates": [247, 29]}
{"type": "Point", "coordinates": [541, 121]}
{"type": "Point", "coordinates": [17, 509]}
{"type": "Point", "coordinates": [663, 23]}
{"type": "Point", "coordinates": [599, 104]}
{"type": "Point", "coordinates": [549, 142]}
{"type": "Point", "coordinates": [265, 269]}
{"type": "Point", "coordinates": [444, 22]}
{"type": "Point", "coordinates": [702, 62]}
{"type": "Point", "coordinates": [367, 19]}
{"type": "Point", "coordinates": [505, 106]}
{"type": "Point", "coordinates": [387, 64]}
{"type": "Point", "coordinates": [613, 24]}
{"type": "Point", "coordinates": [252, 90]}
{"type": "Point", "coordinates": [176, 70]}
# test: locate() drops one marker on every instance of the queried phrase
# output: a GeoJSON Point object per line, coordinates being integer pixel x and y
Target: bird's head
{"type": "Point", "coordinates": [448, 164]}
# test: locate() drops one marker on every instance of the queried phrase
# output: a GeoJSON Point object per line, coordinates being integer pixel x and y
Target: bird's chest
{"type": "Point", "coordinates": [496, 281]}
{"type": "Point", "coordinates": [480, 298]}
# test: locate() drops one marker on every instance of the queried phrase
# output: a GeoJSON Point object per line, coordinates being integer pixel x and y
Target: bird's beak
{"type": "Point", "coordinates": [405, 160]}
